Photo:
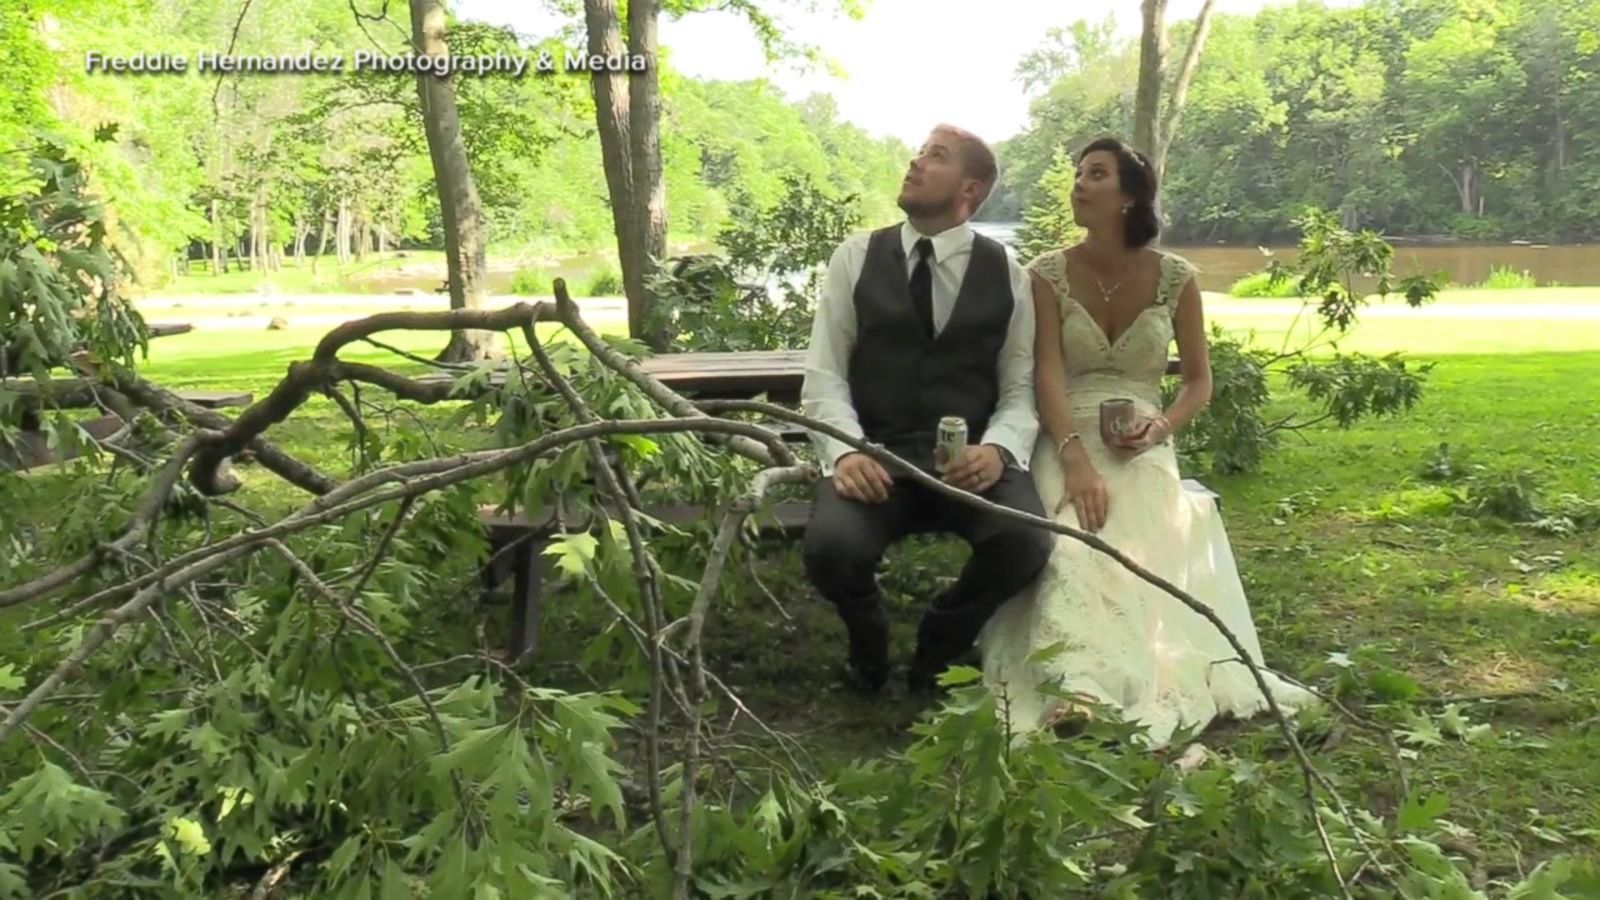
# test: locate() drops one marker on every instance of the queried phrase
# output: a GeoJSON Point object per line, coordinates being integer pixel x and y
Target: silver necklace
{"type": "Point", "coordinates": [1105, 293]}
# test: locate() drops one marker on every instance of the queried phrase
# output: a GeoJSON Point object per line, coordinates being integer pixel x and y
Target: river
{"type": "Point", "coordinates": [1222, 265]}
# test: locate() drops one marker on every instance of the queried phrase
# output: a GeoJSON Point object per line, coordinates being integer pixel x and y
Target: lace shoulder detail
{"type": "Point", "coordinates": [1175, 273]}
{"type": "Point", "coordinates": [1051, 266]}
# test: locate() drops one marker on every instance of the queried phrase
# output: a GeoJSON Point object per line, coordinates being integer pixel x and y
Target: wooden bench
{"type": "Point", "coordinates": [517, 545]}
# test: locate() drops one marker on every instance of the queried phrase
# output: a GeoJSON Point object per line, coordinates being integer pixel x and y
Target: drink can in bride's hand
{"type": "Point", "coordinates": [1117, 418]}
{"type": "Point", "coordinates": [952, 442]}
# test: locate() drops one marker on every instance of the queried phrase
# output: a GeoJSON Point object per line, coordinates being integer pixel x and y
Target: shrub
{"type": "Point", "coordinates": [1503, 278]}
{"type": "Point", "coordinates": [605, 281]}
{"type": "Point", "coordinates": [1233, 432]}
{"type": "Point", "coordinates": [532, 283]}
{"type": "Point", "coordinates": [760, 295]}
{"type": "Point", "coordinates": [1260, 284]}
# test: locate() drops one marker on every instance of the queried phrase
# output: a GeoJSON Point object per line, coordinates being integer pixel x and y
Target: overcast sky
{"type": "Point", "coordinates": [908, 64]}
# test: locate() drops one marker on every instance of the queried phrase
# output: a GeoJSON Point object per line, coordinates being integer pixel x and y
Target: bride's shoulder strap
{"type": "Point", "coordinates": [1051, 267]}
{"type": "Point", "coordinates": [1175, 273]}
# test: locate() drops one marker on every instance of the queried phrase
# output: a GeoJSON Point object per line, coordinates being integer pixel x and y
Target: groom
{"type": "Point", "coordinates": [917, 321]}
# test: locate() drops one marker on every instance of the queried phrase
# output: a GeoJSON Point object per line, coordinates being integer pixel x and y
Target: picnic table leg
{"type": "Point", "coordinates": [494, 568]}
{"type": "Point", "coordinates": [525, 600]}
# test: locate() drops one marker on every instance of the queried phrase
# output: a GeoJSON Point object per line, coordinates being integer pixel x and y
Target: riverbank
{"type": "Point", "coordinates": [422, 272]}
{"type": "Point", "coordinates": [1464, 320]}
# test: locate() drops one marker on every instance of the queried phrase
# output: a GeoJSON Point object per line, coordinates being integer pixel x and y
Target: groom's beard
{"type": "Point", "coordinates": [926, 209]}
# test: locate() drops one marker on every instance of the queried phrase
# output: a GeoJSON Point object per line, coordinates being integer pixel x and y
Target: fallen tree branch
{"type": "Point", "coordinates": [643, 573]}
{"type": "Point", "coordinates": [381, 486]}
{"type": "Point", "coordinates": [774, 453]}
{"type": "Point", "coordinates": [271, 457]}
{"type": "Point", "coordinates": [721, 548]}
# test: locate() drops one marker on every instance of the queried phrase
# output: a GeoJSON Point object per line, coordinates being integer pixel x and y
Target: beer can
{"type": "Point", "coordinates": [1117, 417]}
{"type": "Point", "coordinates": [952, 442]}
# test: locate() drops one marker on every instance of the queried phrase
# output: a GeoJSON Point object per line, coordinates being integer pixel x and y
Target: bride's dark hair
{"type": "Point", "coordinates": [1138, 180]}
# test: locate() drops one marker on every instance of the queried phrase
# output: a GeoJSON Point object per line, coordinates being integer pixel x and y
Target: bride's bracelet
{"type": "Point", "coordinates": [1062, 447]}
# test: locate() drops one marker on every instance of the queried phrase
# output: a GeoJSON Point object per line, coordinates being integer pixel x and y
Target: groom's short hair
{"type": "Point", "coordinates": [977, 160]}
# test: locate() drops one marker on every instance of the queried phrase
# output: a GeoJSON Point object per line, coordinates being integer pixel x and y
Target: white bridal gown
{"type": "Point", "coordinates": [1128, 643]}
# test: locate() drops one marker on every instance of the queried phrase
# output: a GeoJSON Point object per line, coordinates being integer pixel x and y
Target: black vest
{"type": "Point", "coordinates": [901, 381]}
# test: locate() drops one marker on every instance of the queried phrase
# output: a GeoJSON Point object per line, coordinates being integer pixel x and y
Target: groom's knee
{"type": "Point", "coordinates": [838, 562]}
{"type": "Point", "coordinates": [1020, 551]}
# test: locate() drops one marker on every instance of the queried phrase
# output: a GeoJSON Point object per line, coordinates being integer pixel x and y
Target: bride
{"type": "Point", "coordinates": [1107, 309]}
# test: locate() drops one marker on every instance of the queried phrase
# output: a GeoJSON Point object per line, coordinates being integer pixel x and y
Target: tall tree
{"type": "Point", "coordinates": [1152, 62]}
{"type": "Point", "coordinates": [627, 109]}
{"type": "Point", "coordinates": [1153, 134]}
{"type": "Point", "coordinates": [465, 237]}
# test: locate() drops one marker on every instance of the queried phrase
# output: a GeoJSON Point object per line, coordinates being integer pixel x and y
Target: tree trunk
{"type": "Point", "coordinates": [322, 238]}
{"type": "Point", "coordinates": [464, 238]}
{"type": "Point", "coordinates": [1152, 59]}
{"type": "Point", "coordinates": [627, 115]}
{"type": "Point", "coordinates": [1180, 89]}
{"type": "Point", "coordinates": [216, 236]}
{"type": "Point", "coordinates": [1560, 135]}
{"type": "Point", "coordinates": [358, 236]}
{"type": "Point", "coordinates": [341, 241]}
{"type": "Point", "coordinates": [1468, 170]}
{"type": "Point", "coordinates": [644, 130]}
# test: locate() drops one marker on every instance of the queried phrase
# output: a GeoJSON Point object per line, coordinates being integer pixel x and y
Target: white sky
{"type": "Point", "coordinates": [970, 49]}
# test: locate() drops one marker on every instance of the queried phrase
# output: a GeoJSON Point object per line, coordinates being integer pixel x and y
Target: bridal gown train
{"type": "Point", "coordinates": [1127, 643]}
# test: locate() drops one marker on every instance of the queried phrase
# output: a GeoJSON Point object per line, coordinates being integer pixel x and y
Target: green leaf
{"type": "Point", "coordinates": [1415, 813]}
{"type": "Point", "coordinates": [959, 675]}
{"type": "Point", "coordinates": [9, 681]}
{"type": "Point", "coordinates": [1129, 815]}
{"type": "Point", "coordinates": [396, 885]}
{"type": "Point", "coordinates": [592, 773]}
{"type": "Point", "coordinates": [1423, 732]}
{"type": "Point", "coordinates": [208, 741]}
{"type": "Point", "coordinates": [573, 552]}
{"type": "Point", "coordinates": [189, 835]}
{"type": "Point", "coordinates": [768, 815]}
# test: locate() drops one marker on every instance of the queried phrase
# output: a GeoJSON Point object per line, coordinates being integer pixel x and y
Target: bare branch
{"type": "Point", "coordinates": [1180, 88]}
{"type": "Point", "coordinates": [727, 535]}
{"type": "Point", "coordinates": [268, 454]}
{"type": "Point", "coordinates": [233, 39]}
{"type": "Point", "coordinates": [643, 573]}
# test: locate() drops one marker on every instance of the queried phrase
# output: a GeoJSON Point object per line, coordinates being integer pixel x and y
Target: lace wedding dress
{"type": "Point", "coordinates": [1125, 642]}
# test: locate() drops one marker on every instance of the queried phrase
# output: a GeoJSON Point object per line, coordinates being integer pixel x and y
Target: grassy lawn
{"type": "Point", "coordinates": [1345, 548]}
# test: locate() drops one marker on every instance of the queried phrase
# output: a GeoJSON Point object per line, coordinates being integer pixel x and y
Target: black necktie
{"type": "Point", "coordinates": [922, 285]}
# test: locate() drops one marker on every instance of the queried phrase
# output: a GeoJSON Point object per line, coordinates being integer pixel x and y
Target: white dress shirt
{"type": "Point", "coordinates": [825, 394]}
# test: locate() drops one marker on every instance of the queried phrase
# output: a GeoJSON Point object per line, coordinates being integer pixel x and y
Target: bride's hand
{"type": "Point", "coordinates": [1154, 430]}
{"type": "Point", "coordinates": [1086, 490]}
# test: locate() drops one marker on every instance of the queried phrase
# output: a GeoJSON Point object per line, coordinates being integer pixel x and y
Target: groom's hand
{"type": "Point", "coordinates": [981, 468]}
{"type": "Point", "coordinates": [857, 476]}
